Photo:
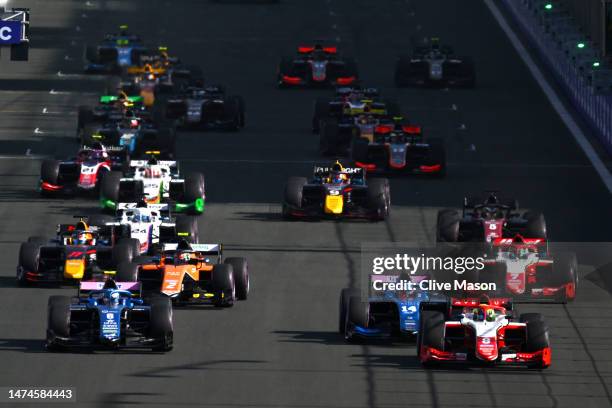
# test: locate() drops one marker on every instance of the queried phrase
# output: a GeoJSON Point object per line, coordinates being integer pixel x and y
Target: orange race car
{"type": "Point", "coordinates": [195, 273]}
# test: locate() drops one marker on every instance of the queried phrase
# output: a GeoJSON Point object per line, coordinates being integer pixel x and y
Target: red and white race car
{"type": "Point", "coordinates": [482, 332]}
{"type": "Point", "coordinates": [524, 269]}
{"type": "Point", "coordinates": [82, 173]}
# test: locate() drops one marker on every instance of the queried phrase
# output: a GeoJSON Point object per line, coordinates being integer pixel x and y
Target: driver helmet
{"type": "Point", "coordinates": [152, 160]}
{"type": "Point", "coordinates": [477, 314]}
{"type": "Point", "coordinates": [184, 257]}
{"type": "Point", "coordinates": [490, 315]}
{"type": "Point", "coordinates": [337, 175]}
{"type": "Point", "coordinates": [85, 238]}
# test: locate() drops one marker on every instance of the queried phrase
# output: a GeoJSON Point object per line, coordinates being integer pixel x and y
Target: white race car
{"type": "Point", "coordinates": [148, 224]}
{"type": "Point", "coordinates": [158, 182]}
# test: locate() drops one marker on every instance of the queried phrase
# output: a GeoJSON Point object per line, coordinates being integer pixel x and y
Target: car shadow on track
{"type": "Point", "coordinates": [257, 216]}
{"type": "Point", "coordinates": [334, 338]}
{"type": "Point", "coordinates": [23, 345]}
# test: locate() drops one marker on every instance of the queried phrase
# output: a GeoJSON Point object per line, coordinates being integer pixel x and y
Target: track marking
{"type": "Point", "coordinates": [552, 96]}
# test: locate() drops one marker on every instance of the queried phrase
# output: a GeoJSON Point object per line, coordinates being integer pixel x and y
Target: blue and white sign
{"type": "Point", "coordinates": [10, 32]}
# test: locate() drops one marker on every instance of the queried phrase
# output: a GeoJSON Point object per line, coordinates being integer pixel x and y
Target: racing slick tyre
{"type": "Point", "coordinates": [187, 229]}
{"type": "Point", "coordinates": [195, 188]}
{"type": "Point", "coordinates": [294, 190]}
{"type": "Point", "coordinates": [285, 67]}
{"type": "Point", "coordinates": [99, 220]}
{"type": "Point", "coordinates": [345, 295]}
{"type": "Point", "coordinates": [91, 53]}
{"type": "Point", "coordinates": [448, 226]}
{"type": "Point", "coordinates": [109, 187]}
{"type": "Point", "coordinates": [329, 138]}
{"type": "Point", "coordinates": [125, 250]}
{"type": "Point", "coordinates": [58, 320]}
{"type": "Point", "coordinates": [29, 256]}
{"type": "Point", "coordinates": [241, 276]}
{"type": "Point", "coordinates": [38, 240]}
{"type": "Point", "coordinates": [358, 314]}
{"type": "Point", "coordinates": [537, 337]}
{"type": "Point", "coordinates": [379, 198]}
{"type": "Point", "coordinates": [359, 149]}
{"type": "Point", "coordinates": [536, 225]}
{"type": "Point", "coordinates": [127, 272]}
{"type": "Point", "coordinates": [321, 112]}
{"type": "Point", "coordinates": [160, 325]}
{"type": "Point", "coordinates": [431, 333]}
{"type": "Point", "coordinates": [49, 173]}
{"type": "Point", "coordinates": [565, 273]}
{"type": "Point", "coordinates": [223, 285]}
{"type": "Point", "coordinates": [438, 156]}
{"type": "Point", "coordinates": [241, 111]}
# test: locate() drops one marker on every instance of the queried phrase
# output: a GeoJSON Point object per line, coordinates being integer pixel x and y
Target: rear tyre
{"type": "Point", "coordinates": [293, 196]}
{"type": "Point", "coordinates": [49, 171]}
{"type": "Point", "coordinates": [127, 272]}
{"type": "Point", "coordinates": [329, 139]}
{"type": "Point", "coordinates": [448, 226]}
{"type": "Point", "coordinates": [537, 338]}
{"type": "Point", "coordinates": [109, 189]}
{"type": "Point", "coordinates": [345, 295]}
{"type": "Point", "coordinates": [565, 273]}
{"type": "Point", "coordinates": [379, 197]}
{"type": "Point", "coordinates": [187, 228]}
{"type": "Point", "coordinates": [161, 327]}
{"type": "Point", "coordinates": [223, 285]}
{"type": "Point", "coordinates": [241, 276]}
{"type": "Point", "coordinates": [321, 111]}
{"type": "Point", "coordinates": [438, 156]}
{"type": "Point", "coordinates": [431, 332]}
{"type": "Point", "coordinates": [58, 320]}
{"type": "Point", "coordinates": [536, 225]}
{"type": "Point", "coordinates": [358, 315]}
{"type": "Point", "coordinates": [125, 250]}
{"type": "Point", "coordinates": [29, 256]}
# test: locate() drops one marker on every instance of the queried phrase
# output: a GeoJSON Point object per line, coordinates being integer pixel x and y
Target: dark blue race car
{"type": "Point", "coordinates": [386, 315]}
{"type": "Point", "coordinates": [109, 315]}
{"type": "Point", "coordinates": [115, 53]}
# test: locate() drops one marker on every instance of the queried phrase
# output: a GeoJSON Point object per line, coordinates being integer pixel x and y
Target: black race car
{"type": "Point", "coordinates": [433, 64]}
{"type": "Point", "coordinates": [80, 251]}
{"type": "Point", "coordinates": [484, 220]}
{"type": "Point", "coordinates": [206, 107]}
{"type": "Point", "coordinates": [400, 149]}
{"type": "Point", "coordinates": [337, 192]}
{"type": "Point", "coordinates": [349, 102]}
{"type": "Point", "coordinates": [317, 65]}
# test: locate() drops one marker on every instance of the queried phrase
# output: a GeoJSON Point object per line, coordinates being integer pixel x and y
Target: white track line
{"type": "Point", "coordinates": [552, 96]}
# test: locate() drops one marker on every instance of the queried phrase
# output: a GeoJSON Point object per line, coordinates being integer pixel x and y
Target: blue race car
{"type": "Point", "coordinates": [109, 315]}
{"type": "Point", "coordinates": [116, 53]}
{"type": "Point", "coordinates": [389, 314]}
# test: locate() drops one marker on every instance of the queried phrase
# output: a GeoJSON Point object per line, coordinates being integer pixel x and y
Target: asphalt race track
{"type": "Point", "coordinates": [280, 348]}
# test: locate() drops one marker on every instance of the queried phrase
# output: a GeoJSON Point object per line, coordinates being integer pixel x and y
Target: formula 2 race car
{"type": "Point", "coordinates": [481, 331]}
{"type": "Point", "coordinates": [150, 224]}
{"type": "Point", "coordinates": [399, 149]}
{"type": "Point", "coordinates": [156, 181]}
{"type": "Point", "coordinates": [78, 252]}
{"type": "Point", "coordinates": [195, 273]}
{"type": "Point", "coordinates": [394, 314]}
{"type": "Point", "coordinates": [117, 52]}
{"type": "Point", "coordinates": [337, 192]}
{"type": "Point", "coordinates": [206, 107]}
{"type": "Point", "coordinates": [433, 64]}
{"type": "Point", "coordinates": [317, 65]}
{"type": "Point", "coordinates": [483, 220]}
{"type": "Point", "coordinates": [350, 102]}
{"type": "Point", "coordinates": [109, 315]}
{"type": "Point", "coordinates": [523, 269]}
{"type": "Point", "coordinates": [82, 173]}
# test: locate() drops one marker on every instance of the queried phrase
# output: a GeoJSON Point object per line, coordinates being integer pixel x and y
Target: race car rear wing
{"type": "Point", "coordinates": [207, 249]}
{"type": "Point", "coordinates": [141, 163]}
{"type": "Point", "coordinates": [87, 287]}
{"type": "Point", "coordinates": [159, 207]}
{"type": "Point", "coordinates": [353, 172]}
